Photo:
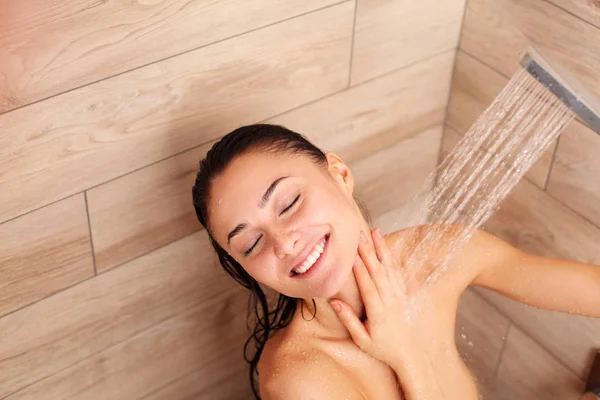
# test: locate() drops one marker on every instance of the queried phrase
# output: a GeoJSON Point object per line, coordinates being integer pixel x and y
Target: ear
{"type": "Point", "coordinates": [340, 172]}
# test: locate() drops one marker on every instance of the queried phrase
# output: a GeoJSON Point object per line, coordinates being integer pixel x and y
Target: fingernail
{"type": "Point", "coordinates": [363, 238]}
{"type": "Point", "coordinates": [336, 307]}
{"type": "Point", "coordinates": [357, 261]}
{"type": "Point", "coordinates": [378, 233]}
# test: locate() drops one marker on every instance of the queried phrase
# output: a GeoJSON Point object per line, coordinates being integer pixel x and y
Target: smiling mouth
{"type": "Point", "coordinates": [312, 259]}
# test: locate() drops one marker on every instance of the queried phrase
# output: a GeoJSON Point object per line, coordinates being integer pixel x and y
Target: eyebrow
{"type": "Point", "coordinates": [263, 202]}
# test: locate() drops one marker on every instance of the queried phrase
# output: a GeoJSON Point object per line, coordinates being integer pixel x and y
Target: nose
{"type": "Point", "coordinates": [287, 242]}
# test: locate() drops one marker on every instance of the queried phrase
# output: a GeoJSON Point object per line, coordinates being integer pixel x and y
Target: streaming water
{"type": "Point", "coordinates": [481, 170]}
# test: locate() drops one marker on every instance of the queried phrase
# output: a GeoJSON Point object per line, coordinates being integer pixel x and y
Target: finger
{"type": "Point", "coordinates": [376, 270]}
{"type": "Point", "coordinates": [357, 330]}
{"type": "Point", "coordinates": [384, 254]}
{"type": "Point", "coordinates": [367, 288]}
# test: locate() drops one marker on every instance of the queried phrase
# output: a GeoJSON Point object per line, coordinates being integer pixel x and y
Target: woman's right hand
{"type": "Point", "coordinates": [387, 330]}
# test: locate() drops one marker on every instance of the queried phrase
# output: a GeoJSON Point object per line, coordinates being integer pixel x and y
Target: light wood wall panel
{"type": "Point", "coordinates": [574, 178]}
{"type": "Point", "coordinates": [69, 327]}
{"type": "Point", "coordinates": [40, 256]}
{"type": "Point", "coordinates": [145, 362]}
{"type": "Point", "coordinates": [390, 34]}
{"type": "Point", "coordinates": [51, 46]}
{"type": "Point", "coordinates": [85, 137]}
{"type": "Point", "coordinates": [151, 207]}
{"type": "Point", "coordinates": [498, 31]}
{"type": "Point", "coordinates": [527, 371]}
{"type": "Point", "coordinates": [474, 88]}
{"type": "Point", "coordinates": [588, 10]}
{"type": "Point", "coordinates": [480, 336]}
{"type": "Point", "coordinates": [391, 177]}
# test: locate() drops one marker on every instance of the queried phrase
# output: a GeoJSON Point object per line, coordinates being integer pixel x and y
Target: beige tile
{"type": "Point", "coordinates": [85, 137]}
{"type": "Point", "coordinates": [571, 338]}
{"type": "Point", "coordinates": [527, 371]}
{"type": "Point", "coordinates": [588, 10]}
{"type": "Point", "coordinates": [377, 114]}
{"type": "Point", "coordinates": [480, 334]}
{"type": "Point", "coordinates": [40, 340]}
{"type": "Point", "coordinates": [144, 210]}
{"type": "Point", "coordinates": [498, 31]}
{"type": "Point", "coordinates": [231, 375]}
{"type": "Point", "coordinates": [475, 86]}
{"type": "Point", "coordinates": [44, 252]}
{"type": "Point", "coordinates": [535, 222]}
{"type": "Point", "coordinates": [101, 39]}
{"type": "Point", "coordinates": [393, 176]}
{"type": "Point", "coordinates": [391, 34]}
{"type": "Point", "coordinates": [155, 357]}
{"type": "Point", "coordinates": [151, 207]}
{"type": "Point", "coordinates": [574, 178]}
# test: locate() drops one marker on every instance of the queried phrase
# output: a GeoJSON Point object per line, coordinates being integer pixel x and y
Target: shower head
{"type": "Point", "coordinates": [570, 92]}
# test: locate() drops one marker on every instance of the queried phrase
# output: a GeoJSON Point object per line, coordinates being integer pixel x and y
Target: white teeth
{"type": "Point", "coordinates": [311, 259]}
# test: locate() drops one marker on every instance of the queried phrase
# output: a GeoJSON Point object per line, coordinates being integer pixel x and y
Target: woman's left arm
{"type": "Point", "coordinates": [543, 282]}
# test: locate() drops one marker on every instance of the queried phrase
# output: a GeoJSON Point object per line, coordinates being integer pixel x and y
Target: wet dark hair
{"type": "Point", "coordinates": [254, 138]}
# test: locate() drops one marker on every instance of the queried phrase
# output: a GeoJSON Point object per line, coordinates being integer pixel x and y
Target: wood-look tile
{"type": "Point", "coordinates": [102, 39]}
{"type": "Point", "coordinates": [474, 88]}
{"type": "Point", "coordinates": [480, 334]}
{"type": "Point", "coordinates": [144, 210]}
{"type": "Point", "coordinates": [148, 360]}
{"type": "Point", "coordinates": [377, 114]}
{"type": "Point", "coordinates": [390, 34]}
{"type": "Point", "coordinates": [498, 31]}
{"type": "Point", "coordinates": [44, 252]}
{"type": "Point", "coordinates": [88, 136]}
{"type": "Point", "coordinates": [393, 176]}
{"type": "Point", "coordinates": [527, 371]}
{"type": "Point", "coordinates": [535, 222]}
{"type": "Point", "coordinates": [571, 338]}
{"type": "Point", "coordinates": [589, 10]}
{"type": "Point", "coordinates": [231, 375]}
{"type": "Point", "coordinates": [44, 338]}
{"type": "Point", "coordinates": [574, 178]}
{"type": "Point", "coordinates": [151, 207]}
{"type": "Point", "coordinates": [402, 216]}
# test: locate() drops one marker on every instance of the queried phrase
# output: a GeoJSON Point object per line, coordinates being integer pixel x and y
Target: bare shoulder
{"type": "Point", "coordinates": [288, 369]}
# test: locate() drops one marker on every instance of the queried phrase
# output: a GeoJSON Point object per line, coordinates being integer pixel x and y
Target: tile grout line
{"type": "Point", "coordinates": [194, 147]}
{"type": "Point", "coordinates": [352, 44]}
{"type": "Point", "coordinates": [552, 163]}
{"type": "Point", "coordinates": [172, 56]}
{"type": "Point", "coordinates": [572, 14]}
{"type": "Point", "coordinates": [504, 342]}
{"type": "Point", "coordinates": [525, 332]}
{"type": "Point", "coordinates": [87, 211]}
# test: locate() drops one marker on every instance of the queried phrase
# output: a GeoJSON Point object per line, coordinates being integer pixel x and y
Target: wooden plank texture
{"type": "Point", "coordinates": [498, 31]}
{"type": "Point", "coordinates": [155, 357]}
{"type": "Point", "coordinates": [151, 207]}
{"type": "Point", "coordinates": [63, 330]}
{"type": "Point", "coordinates": [574, 178]}
{"type": "Point", "coordinates": [589, 10]}
{"type": "Point", "coordinates": [392, 177]}
{"type": "Point", "coordinates": [44, 252]}
{"type": "Point", "coordinates": [51, 46]}
{"type": "Point", "coordinates": [527, 371]}
{"type": "Point", "coordinates": [391, 34]}
{"type": "Point", "coordinates": [82, 138]}
{"type": "Point", "coordinates": [474, 88]}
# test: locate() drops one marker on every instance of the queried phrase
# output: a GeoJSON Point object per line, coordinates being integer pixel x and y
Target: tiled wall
{"type": "Point", "coordinates": [108, 287]}
{"type": "Point", "coordinates": [555, 210]}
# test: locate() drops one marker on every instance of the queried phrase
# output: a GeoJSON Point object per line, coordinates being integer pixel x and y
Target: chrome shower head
{"type": "Point", "coordinates": [570, 92]}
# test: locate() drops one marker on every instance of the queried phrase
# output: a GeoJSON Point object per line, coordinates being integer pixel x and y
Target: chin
{"type": "Point", "coordinates": [334, 282]}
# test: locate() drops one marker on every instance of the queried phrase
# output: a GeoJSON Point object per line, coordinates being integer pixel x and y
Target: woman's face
{"type": "Point", "coordinates": [308, 210]}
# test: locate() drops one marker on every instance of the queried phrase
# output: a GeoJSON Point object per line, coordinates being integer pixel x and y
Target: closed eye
{"type": "Point", "coordinates": [247, 253]}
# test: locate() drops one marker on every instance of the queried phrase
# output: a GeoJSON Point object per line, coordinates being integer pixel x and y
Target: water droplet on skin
{"type": "Point", "coordinates": [463, 336]}
{"type": "Point", "coordinates": [470, 344]}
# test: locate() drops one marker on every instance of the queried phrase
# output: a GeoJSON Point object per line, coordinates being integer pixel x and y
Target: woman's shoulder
{"type": "Point", "coordinates": [290, 368]}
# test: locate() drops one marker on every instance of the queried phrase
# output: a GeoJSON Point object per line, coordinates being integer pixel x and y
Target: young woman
{"type": "Point", "coordinates": [348, 322]}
